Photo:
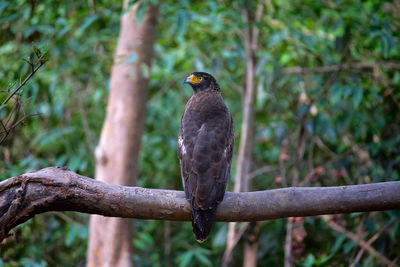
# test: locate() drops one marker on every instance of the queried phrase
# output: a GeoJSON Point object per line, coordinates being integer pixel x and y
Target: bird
{"type": "Point", "coordinates": [205, 145]}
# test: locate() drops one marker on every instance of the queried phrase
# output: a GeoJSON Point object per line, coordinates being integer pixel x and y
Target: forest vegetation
{"type": "Point", "coordinates": [313, 85]}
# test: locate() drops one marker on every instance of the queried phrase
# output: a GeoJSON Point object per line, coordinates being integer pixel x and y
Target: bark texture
{"type": "Point", "coordinates": [58, 189]}
{"type": "Point", "coordinates": [243, 166]}
{"type": "Point", "coordinates": [110, 239]}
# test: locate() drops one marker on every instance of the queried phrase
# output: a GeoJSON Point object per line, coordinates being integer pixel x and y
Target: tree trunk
{"type": "Point", "coordinates": [110, 239]}
{"type": "Point", "coordinates": [242, 181]}
{"type": "Point", "coordinates": [250, 246]}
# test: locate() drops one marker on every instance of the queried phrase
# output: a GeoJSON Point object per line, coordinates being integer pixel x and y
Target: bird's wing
{"type": "Point", "coordinates": [209, 164]}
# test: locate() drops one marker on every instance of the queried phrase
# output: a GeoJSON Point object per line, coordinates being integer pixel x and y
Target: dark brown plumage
{"type": "Point", "coordinates": [205, 146]}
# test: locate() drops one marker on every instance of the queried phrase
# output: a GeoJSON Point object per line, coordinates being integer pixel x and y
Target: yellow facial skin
{"type": "Point", "coordinates": [194, 79]}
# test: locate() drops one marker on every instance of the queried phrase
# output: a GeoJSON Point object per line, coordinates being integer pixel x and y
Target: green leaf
{"type": "Point", "coordinates": [309, 261]}
{"type": "Point", "coordinates": [3, 6]}
{"type": "Point", "coordinates": [323, 260]}
{"type": "Point", "coordinates": [339, 241]}
{"type": "Point", "coordinates": [89, 21]}
{"type": "Point", "coordinates": [202, 258]}
{"type": "Point", "coordinates": [185, 258]}
{"type": "Point", "coordinates": [182, 22]}
{"type": "Point", "coordinates": [219, 239]}
{"type": "Point", "coordinates": [348, 247]}
{"type": "Point", "coordinates": [336, 94]}
{"type": "Point", "coordinates": [357, 96]}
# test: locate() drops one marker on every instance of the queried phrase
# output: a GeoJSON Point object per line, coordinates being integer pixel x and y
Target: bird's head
{"type": "Point", "coordinates": [202, 81]}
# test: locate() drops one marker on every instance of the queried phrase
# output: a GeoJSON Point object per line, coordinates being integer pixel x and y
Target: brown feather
{"type": "Point", "coordinates": [205, 151]}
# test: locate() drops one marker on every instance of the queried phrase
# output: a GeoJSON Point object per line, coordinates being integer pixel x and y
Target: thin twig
{"type": "Point", "coordinates": [372, 240]}
{"type": "Point", "coordinates": [15, 111]}
{"type": "Point", "coordinates": [242, 181]}
{"type": "Point", "coordinates": [20, 121]}
{"type": "Point", "coordinates": [302, 130]}
{"type": "Point", "coordinates": [288, 258]}
{"type": "Point", "coordinates": [228, 251]}
{"type": "Point", "coordinates": [356, 239]}
{"type": "Point", "coordinates": [3, 126]}
{"type": "Point", "coordinates": [333, 77]}
{"type": "Point", "coordinates": [67, 218]}
{"type": "Point", "coordinates": [262, 170]}
{"type": "Point", "coordinates": [85, 122]}
{"type": "Point", "coordinates": [41, 63]}
{"type": "Point", "coordinates": [299, 151]}
{"type": "Point", "coordinates": [317, 140]}
{"type": "Point", "coordinates": [282, 158]}
{"type": "Point", "coordinates": [7, 131]}
{"type": "Point", "coordinates": [335, 68]}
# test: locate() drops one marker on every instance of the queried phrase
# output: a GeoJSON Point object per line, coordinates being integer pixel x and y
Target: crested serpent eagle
{"type": "Point", "coordinates": [205, 146]}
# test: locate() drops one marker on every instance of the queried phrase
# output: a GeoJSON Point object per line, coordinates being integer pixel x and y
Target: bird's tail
{"type": "Point", "coordinates": [202, 222]}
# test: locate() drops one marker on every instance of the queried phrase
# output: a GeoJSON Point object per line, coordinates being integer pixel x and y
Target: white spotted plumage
{"type": "Point", "coordinates": [181, 145]}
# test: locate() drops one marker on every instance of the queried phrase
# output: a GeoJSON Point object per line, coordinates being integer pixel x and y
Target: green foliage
{"type": "Point", "coordinates": [352, 136]}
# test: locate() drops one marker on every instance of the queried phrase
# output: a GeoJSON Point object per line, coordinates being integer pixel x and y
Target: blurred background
{"type": "Point", "coordinates": [326, 86]}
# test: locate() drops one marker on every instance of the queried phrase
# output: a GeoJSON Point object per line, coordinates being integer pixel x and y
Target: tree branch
{"type": "Point", "coordinates": [349, 67]}
{"type": "Point", "coordinates": [34, 68]}
{"type": "Point", "coordinates": [372, 240]}
{"type": "Point", "coordinates": [59, 189]}
{"type": "Point", "coordinates": [356, 239]}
